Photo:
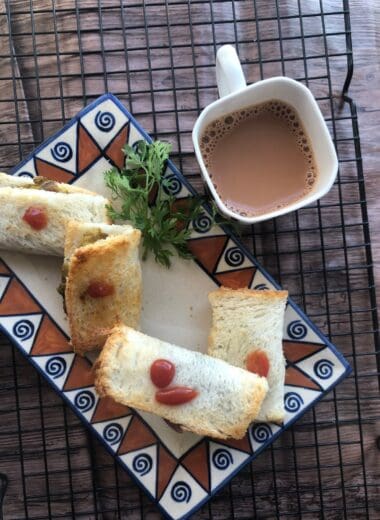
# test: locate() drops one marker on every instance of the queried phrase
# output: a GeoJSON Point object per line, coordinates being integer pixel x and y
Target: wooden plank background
{"type": "Point", "coordinates": [315, 470]}
{"type": "Point", "coordinates": [366, 93]}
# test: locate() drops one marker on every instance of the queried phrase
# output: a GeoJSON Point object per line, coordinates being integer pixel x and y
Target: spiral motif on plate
{"type": "Point", "coordinates": [105, 121]}
{"type": "Point", "coordinates": [261, 432]}
{"type": "Point", "coordinates": [23, 329]}
{"type": "Point", "coordinates": [234, 256]}
{"type": "Point", "coordinates": [296, 329]}
{"type": "Point", "coordinates": [142, 464]}
{"type": "Point", "coordinates": [261, 287]}
{"type": "Point", "coordinates": [55, 367]}
{"type": "Point", "coordinates": [202, 223]}
{"type": "Point", "coordinates": [293, 402]}
{"type": "Point", "coordinates": [181, 492]}
{"type": "Point", "coordinates": [323, 368]}
{"type": "Point", "coordinates": [222, 458]}
{"type": "Point", "coordinates": [84, 401]}
{"type": "Point", "coordinates": [112, 433]}
{"type": "Point", "coordinates": [24, 173]}
{"type": "Point", "coordinates": [172, 185]}
{"type": "Point", "coordinates": [62, 152]}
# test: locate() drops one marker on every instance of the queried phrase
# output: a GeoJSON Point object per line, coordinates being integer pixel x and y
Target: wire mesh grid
{"type": "Point", "coordinates": [158, 57]}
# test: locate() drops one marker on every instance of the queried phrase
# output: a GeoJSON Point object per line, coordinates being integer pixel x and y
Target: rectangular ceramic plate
{"type": "Point", "coordinates": [179, 471]}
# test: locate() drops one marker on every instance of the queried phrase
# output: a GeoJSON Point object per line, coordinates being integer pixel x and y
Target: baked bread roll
{"type": "Point", "coordinates": [33, 213]}
{"type": "Point", "coordinates": [40, 183]}
{"type": "Point", "coordinates": [247, 326]}
{"type": "Point", "coordinates": [101, 281]}
{"type": "Point", "coordinates": [227, 401]}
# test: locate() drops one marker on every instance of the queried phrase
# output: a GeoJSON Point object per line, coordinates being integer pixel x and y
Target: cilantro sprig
{"type": "Point", "coordinates": [164, 224]}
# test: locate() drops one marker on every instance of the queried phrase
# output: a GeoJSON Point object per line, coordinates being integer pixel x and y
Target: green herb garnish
{"type": "Point", "coordinates": [164, 224]}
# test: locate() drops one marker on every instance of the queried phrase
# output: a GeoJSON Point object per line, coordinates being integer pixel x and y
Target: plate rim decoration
{"type": "Point", "coordinates": [181, 503]}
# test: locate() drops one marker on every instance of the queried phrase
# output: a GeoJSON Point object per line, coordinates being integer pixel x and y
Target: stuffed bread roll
{"type": "Point", "coordinates": [101, 281]}
{"type": "Point", "coordinates": [246, 331]}
{"type": "Point", "coordinates": [202, 394]}
{"type": "Point", "coordinates": [34, 213]}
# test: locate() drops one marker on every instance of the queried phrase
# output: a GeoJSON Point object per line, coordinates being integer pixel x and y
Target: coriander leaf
{"type": "Point", "coordinates": [164, 225]}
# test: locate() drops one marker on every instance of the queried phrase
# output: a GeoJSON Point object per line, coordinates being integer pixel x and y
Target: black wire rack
{"type": "Point", "coordinates": [158, 57]}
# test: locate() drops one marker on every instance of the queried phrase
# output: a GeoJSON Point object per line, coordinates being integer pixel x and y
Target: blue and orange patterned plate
{"type": "Point", "coordinates": [178, 471]}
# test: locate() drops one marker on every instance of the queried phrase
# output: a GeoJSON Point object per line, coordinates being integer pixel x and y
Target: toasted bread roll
{"type": "Point", "coordinates": [33, 219]}
{"type": "Point", "coordinates": [103, 284]}
{"type": "Point", "coordinates": [245, 324]}
{"type": "Point", "coordinates": [79, 234]}
{"type": "Point", "coordinates": [39, 183]}
{"type": "Point", "coordinates": [228, 398]}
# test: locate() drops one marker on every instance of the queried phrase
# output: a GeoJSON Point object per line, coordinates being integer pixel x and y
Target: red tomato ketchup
{"type": "Point", "coordinates": [258, 363]}
{"type": "Point", "coordinates": [176, 395]}
{"type": "Point", "coordinates": [36, 217]}
{"type": "Point", "coordinates": [98, 289]}
{"type": "Point", "coordinates": [162, 372]}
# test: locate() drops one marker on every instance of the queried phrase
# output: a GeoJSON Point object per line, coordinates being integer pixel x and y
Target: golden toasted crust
{"type": "Point", "coordinates": [103, 364]}
{"type": "Point", "coordinates": [70, 188]}
{"type": "Point", "coordinates": [74, 235]}
{"type": "Point", "coordinates": [70, 233]}
{"type": "Point", "coordinates": [107, 365]}
{"type": "Point", "coordinates": [79, 234]}
{"type": "Point", "coordinates": [13, 181]}
{"type": "Point", "coordinates": [247, 293]}
{"type": "Point", "coordinates": [113, 260]}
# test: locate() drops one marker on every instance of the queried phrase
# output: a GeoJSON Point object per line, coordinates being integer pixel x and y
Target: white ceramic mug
{"type": "Point", "coordinates": [235, 95]}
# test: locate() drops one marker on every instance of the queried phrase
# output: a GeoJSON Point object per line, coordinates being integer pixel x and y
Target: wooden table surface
{"type": "Point", "coordinates": [319, 462]}
{"type": "Point", "coordinates": [365, 90]}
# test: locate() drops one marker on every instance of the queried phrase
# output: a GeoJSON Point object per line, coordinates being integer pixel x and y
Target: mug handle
{"type": "Point", "coordinates": [229, 74]}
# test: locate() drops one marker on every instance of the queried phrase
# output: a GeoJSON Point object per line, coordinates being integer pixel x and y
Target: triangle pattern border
{"type": "Point", "coordinates": [247, 254]}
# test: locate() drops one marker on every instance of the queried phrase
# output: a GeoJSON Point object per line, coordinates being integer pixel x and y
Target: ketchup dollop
{"type": "Point", "coordinates": [162, 372]}
{"type": "Point", "coordinates": [36, 217]}
{"type": "Point", "coordinates": [98, 289]}
{"type": "Point", "coordinates": [176, 395]}
{"type": "Point", "coordinates": [258, 363]}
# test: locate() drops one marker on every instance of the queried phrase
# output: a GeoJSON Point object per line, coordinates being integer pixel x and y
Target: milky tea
{"type": "Point", "coordinates": [259, 158]}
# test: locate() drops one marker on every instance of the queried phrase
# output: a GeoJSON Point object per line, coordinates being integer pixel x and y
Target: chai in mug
{"type": "Point", "coordinates": [264, 149]}
{"type": "Point", "coordinates": [259, 158]}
